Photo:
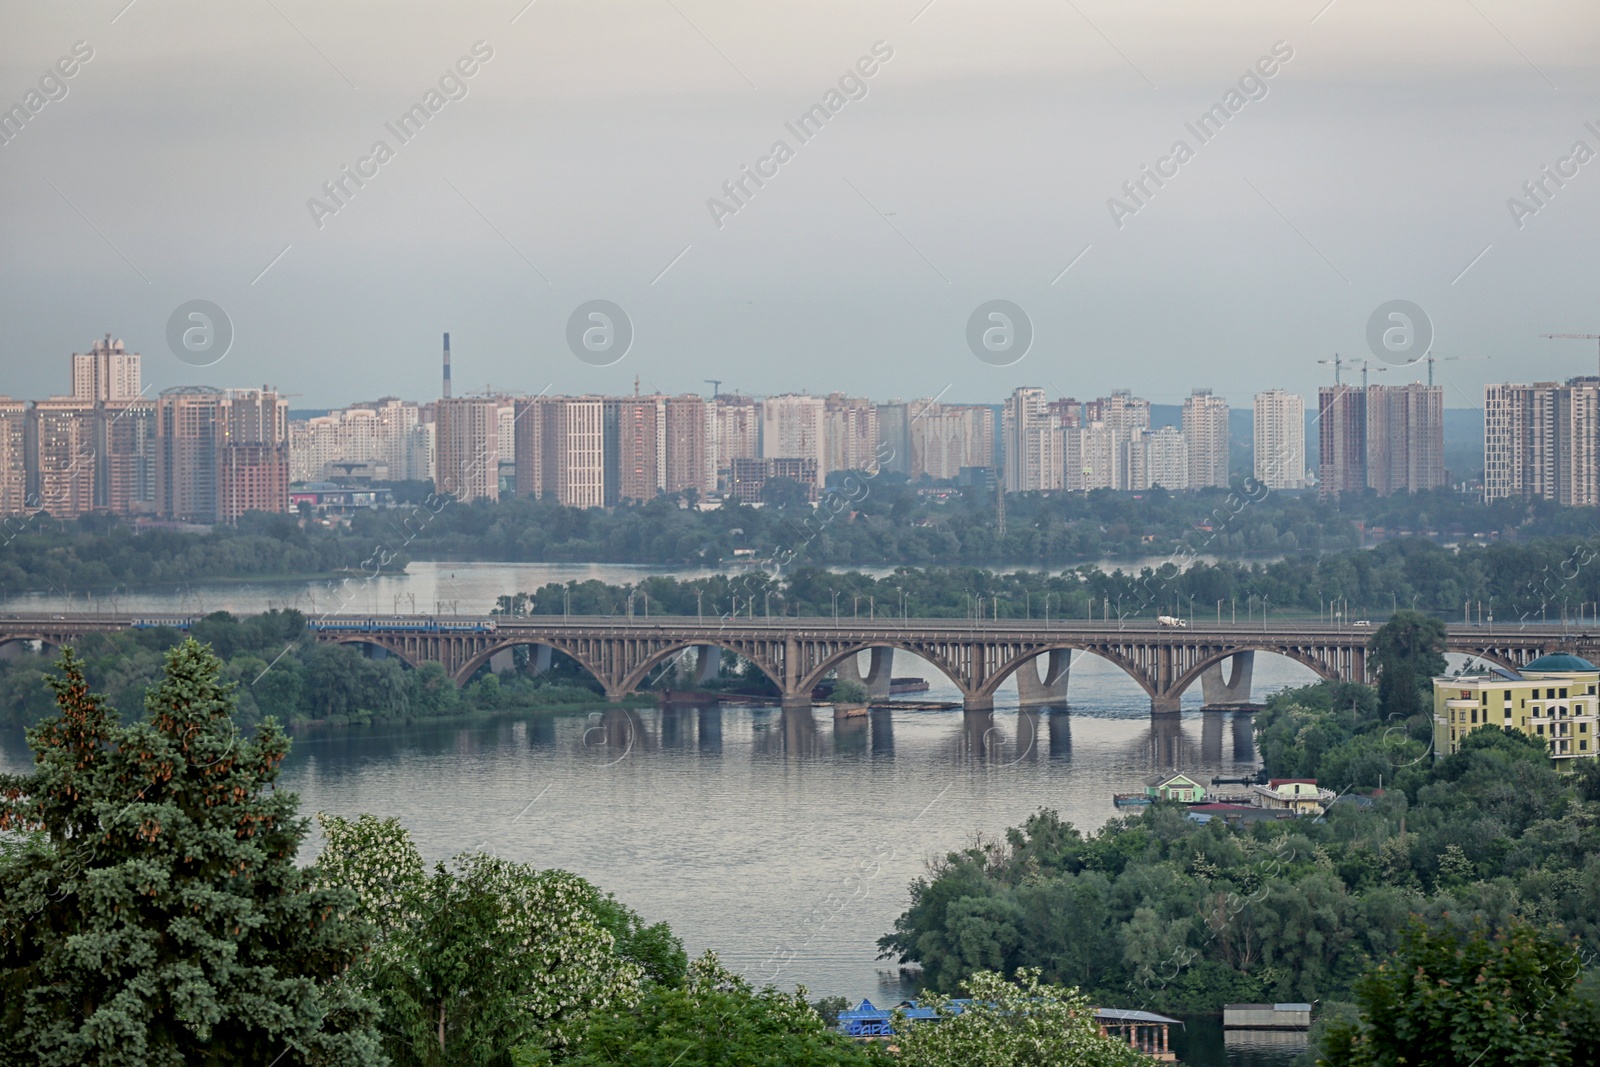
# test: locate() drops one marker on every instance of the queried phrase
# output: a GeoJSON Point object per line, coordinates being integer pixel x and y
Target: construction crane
{"type": "Point", "coordinates": [716, 384]}
{"type": "Point", "coordinates": [1338, 366]}
{"type": "Point", "coordinates": [1431, 359]}
{"type": "Point", "coordinates": [1571, 336]}
{"type": "Point", "coordinates": [1365, 364]}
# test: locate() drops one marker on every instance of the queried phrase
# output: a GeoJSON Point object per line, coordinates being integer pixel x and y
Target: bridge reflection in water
{"type": "Point", "coordinates": [989, 738]}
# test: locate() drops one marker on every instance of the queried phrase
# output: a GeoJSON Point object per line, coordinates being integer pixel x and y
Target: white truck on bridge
{"type": "Point", "coordinates": [1171, 622]}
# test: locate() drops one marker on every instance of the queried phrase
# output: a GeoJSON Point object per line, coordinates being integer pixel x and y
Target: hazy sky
{"type": "Point", "coordinates": [977, 165]}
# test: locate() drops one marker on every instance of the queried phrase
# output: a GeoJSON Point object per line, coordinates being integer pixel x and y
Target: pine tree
{"type": "Point", "coordinates": [154, 913]}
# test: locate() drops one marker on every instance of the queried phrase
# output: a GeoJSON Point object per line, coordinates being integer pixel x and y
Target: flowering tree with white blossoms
{"type": "Point", "coordinates": [1024, 1023]}
{"type": "Point", "coordinates": [479, 956]}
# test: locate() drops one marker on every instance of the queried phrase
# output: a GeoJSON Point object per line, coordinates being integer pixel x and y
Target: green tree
{"type": "Point", "coordinates": [155, 914]}
{"type": "Point", "coordinates": [1012, 1024]}
{"type": "Point", "coordinates": [716, 1019]}
{"type": "Point", "coordinates": [481, 956]}
{"type": "Point", "coordinates": [848, 691]}
{"type": "Point", "coordinates": [1458, 994]}
{"type": "Point", "coordinates": [1407, 653]}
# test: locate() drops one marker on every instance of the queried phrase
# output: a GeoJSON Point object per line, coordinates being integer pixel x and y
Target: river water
{"type": "Point", "coordinates": [785, 841]}
{"type": "Point", "coordinates": [426, 586]}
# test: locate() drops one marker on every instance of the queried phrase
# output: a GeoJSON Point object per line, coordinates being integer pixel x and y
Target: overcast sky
{"type": "Point", "coordinates": [1377, 165]}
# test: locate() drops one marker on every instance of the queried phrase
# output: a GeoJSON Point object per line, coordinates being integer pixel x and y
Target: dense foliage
{"type": "Point", "coordinates": [483, 955]}
{"type": "Point", "coordinates": [154, 913]}
{"type": "Point", "coordinates": [1507, 584]}
{"type": "Point", "coordinates": [715, 1019]}
{"type": "Point", "coordinates": [883, 519]}
{"type": "Point", "coordinates": [1158, 911]}
{"type": "Point", "coordinates": [1025, 1023]}
{"type": "Point", "coordinates": [1458, 994]}
{"type": "Point", "coordinates": [281, 671]}
{"type": "Point", "coordinates": [43, 555]}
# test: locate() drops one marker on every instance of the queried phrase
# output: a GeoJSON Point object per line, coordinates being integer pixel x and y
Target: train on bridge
{"type": "Point", "coordinates": [416, 624]}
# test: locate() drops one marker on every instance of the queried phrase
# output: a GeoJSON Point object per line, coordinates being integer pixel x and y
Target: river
{"type": "Point", "coordinates": [426, 586]}
{"type": "Point", "coordinates": [786, 842]}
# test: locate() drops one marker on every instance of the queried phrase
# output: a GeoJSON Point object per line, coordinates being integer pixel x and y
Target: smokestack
{"type": "Point", "coordinates": [447, 366]}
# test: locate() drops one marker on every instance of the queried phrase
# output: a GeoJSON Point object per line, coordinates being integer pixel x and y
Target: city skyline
{"type": "Point", "coordinates": [1343, 180]}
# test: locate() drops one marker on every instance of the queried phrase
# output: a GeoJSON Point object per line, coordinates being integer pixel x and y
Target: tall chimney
{"type": "Point", "coordinates": [447, 366]}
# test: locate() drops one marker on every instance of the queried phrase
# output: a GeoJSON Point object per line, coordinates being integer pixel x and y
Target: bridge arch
{"type": "Point", "coordinates": [391, 647]}
{"type": "Point", "coordinates": [8, 641]}
{"type": "Point", "coordinates": [811, 680]}
{"type": "Point", "coordinates": [1322, 669]}
{"type": "Point", "coordinates": [1010, 667]}
{"type": "Point", "coordinates": [476, 662]}
{"type": "Point", "coordinates": [641, 671]}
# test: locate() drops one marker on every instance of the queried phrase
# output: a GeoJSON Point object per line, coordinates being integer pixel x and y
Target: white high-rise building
{"type": "Point", "coordinates": [1092, 458]}
{"type": "Point", "coordinates": [108, 371]}
{"type": "Point", "coordinates": [850, 434]}
{"type": "Point", "coordinates": [1205, 430]}
{"type": "Point", "coordinates": [1542, 442]}
{"type": "Point", "coordinates": [1033, 443]}
{"type": "Point", "coordinates": [1280, 439]}
{"type": "Point", "coordinates": [1159, 458]}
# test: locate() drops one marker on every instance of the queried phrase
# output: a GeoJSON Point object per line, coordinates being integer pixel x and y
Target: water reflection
{"type": "Point", "coordinates": [882, 734]}
{"type": "Point", "coordinates": [1060, 731]}
{"type": "Point", "coordinates": [1211, 736]}
{"type": "Point", "coordinates": [710, 721]}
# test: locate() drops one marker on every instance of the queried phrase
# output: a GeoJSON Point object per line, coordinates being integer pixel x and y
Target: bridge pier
{"type": "Point", "coordinates": [1219, 691]}
{"type": "Point", "coordinates": [1052, 689]}
{"type": "Point", "coordinates": [796, 702]}
{"type": "Point", "coordinates": [977, 702]}
{"type": "Point", "coordinates": [879, 673]}
{"type": "Point", "coordinates": [1166, 703]}
{"type": "Point", "coordinates": [708, 664]}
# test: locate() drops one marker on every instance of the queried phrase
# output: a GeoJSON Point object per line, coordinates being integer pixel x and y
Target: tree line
{"type": "Point", "coordinates": [1507, 583]}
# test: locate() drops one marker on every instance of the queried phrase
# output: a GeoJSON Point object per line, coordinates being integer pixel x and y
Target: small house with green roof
{"type": "Point", "coordinates": [1174, 785]}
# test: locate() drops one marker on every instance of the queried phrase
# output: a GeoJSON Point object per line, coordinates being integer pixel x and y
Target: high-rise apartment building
{"type": "Point", "coordinates": [633, 457]}
{"type": "Point", "coordinates": [13, 457]}
{"type": "Point", "coordinates": [221, 453]}
{"type": "Point", "coordinates": [125, 460]}
{"type": "Point", "coordinates": [1092, 458]}
{"type": "Point", "coordinates": [689, 460]}
{"type": "Point", "coordinates": [1159, 458]}
{"type": "Point", "coordinates": [894, 437]}
{"type": "Point", "coordinates": [467, 448]}
{"type": "Point", "coordinates": [1405, 438]}
{"type": "Point", "coordinates": [850, 434]}
{"type": "Point", "coordinates": [1542, 442]}
{"type": "Point", "coordinates": [108, 371]}
{"type": "Point", "coordinates": [62, 456]}
{"type": "Point", "coordinates": [1341, 440]}
{"type": "Point", "coordinates": [947, 437]}
{"type": "Point", "coordinates": [187, 439]}
{"type": "Point", "coordinates": [1280, 439]}
{"type": "Point", "coordinates": [252, 453]}
{"type": "Point", "coordinates": [1033, 442]}
{"type": "Point", "coordinates": [1389, 438]}
{"type": "Point", "coordinates": [1205, 433]}
{"type": "Point", "coordinates": [738, 431]}
{"type": "Point", "coordinates": [793, 427]}
{"type": "Point", "coordinates": [561, 449]}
